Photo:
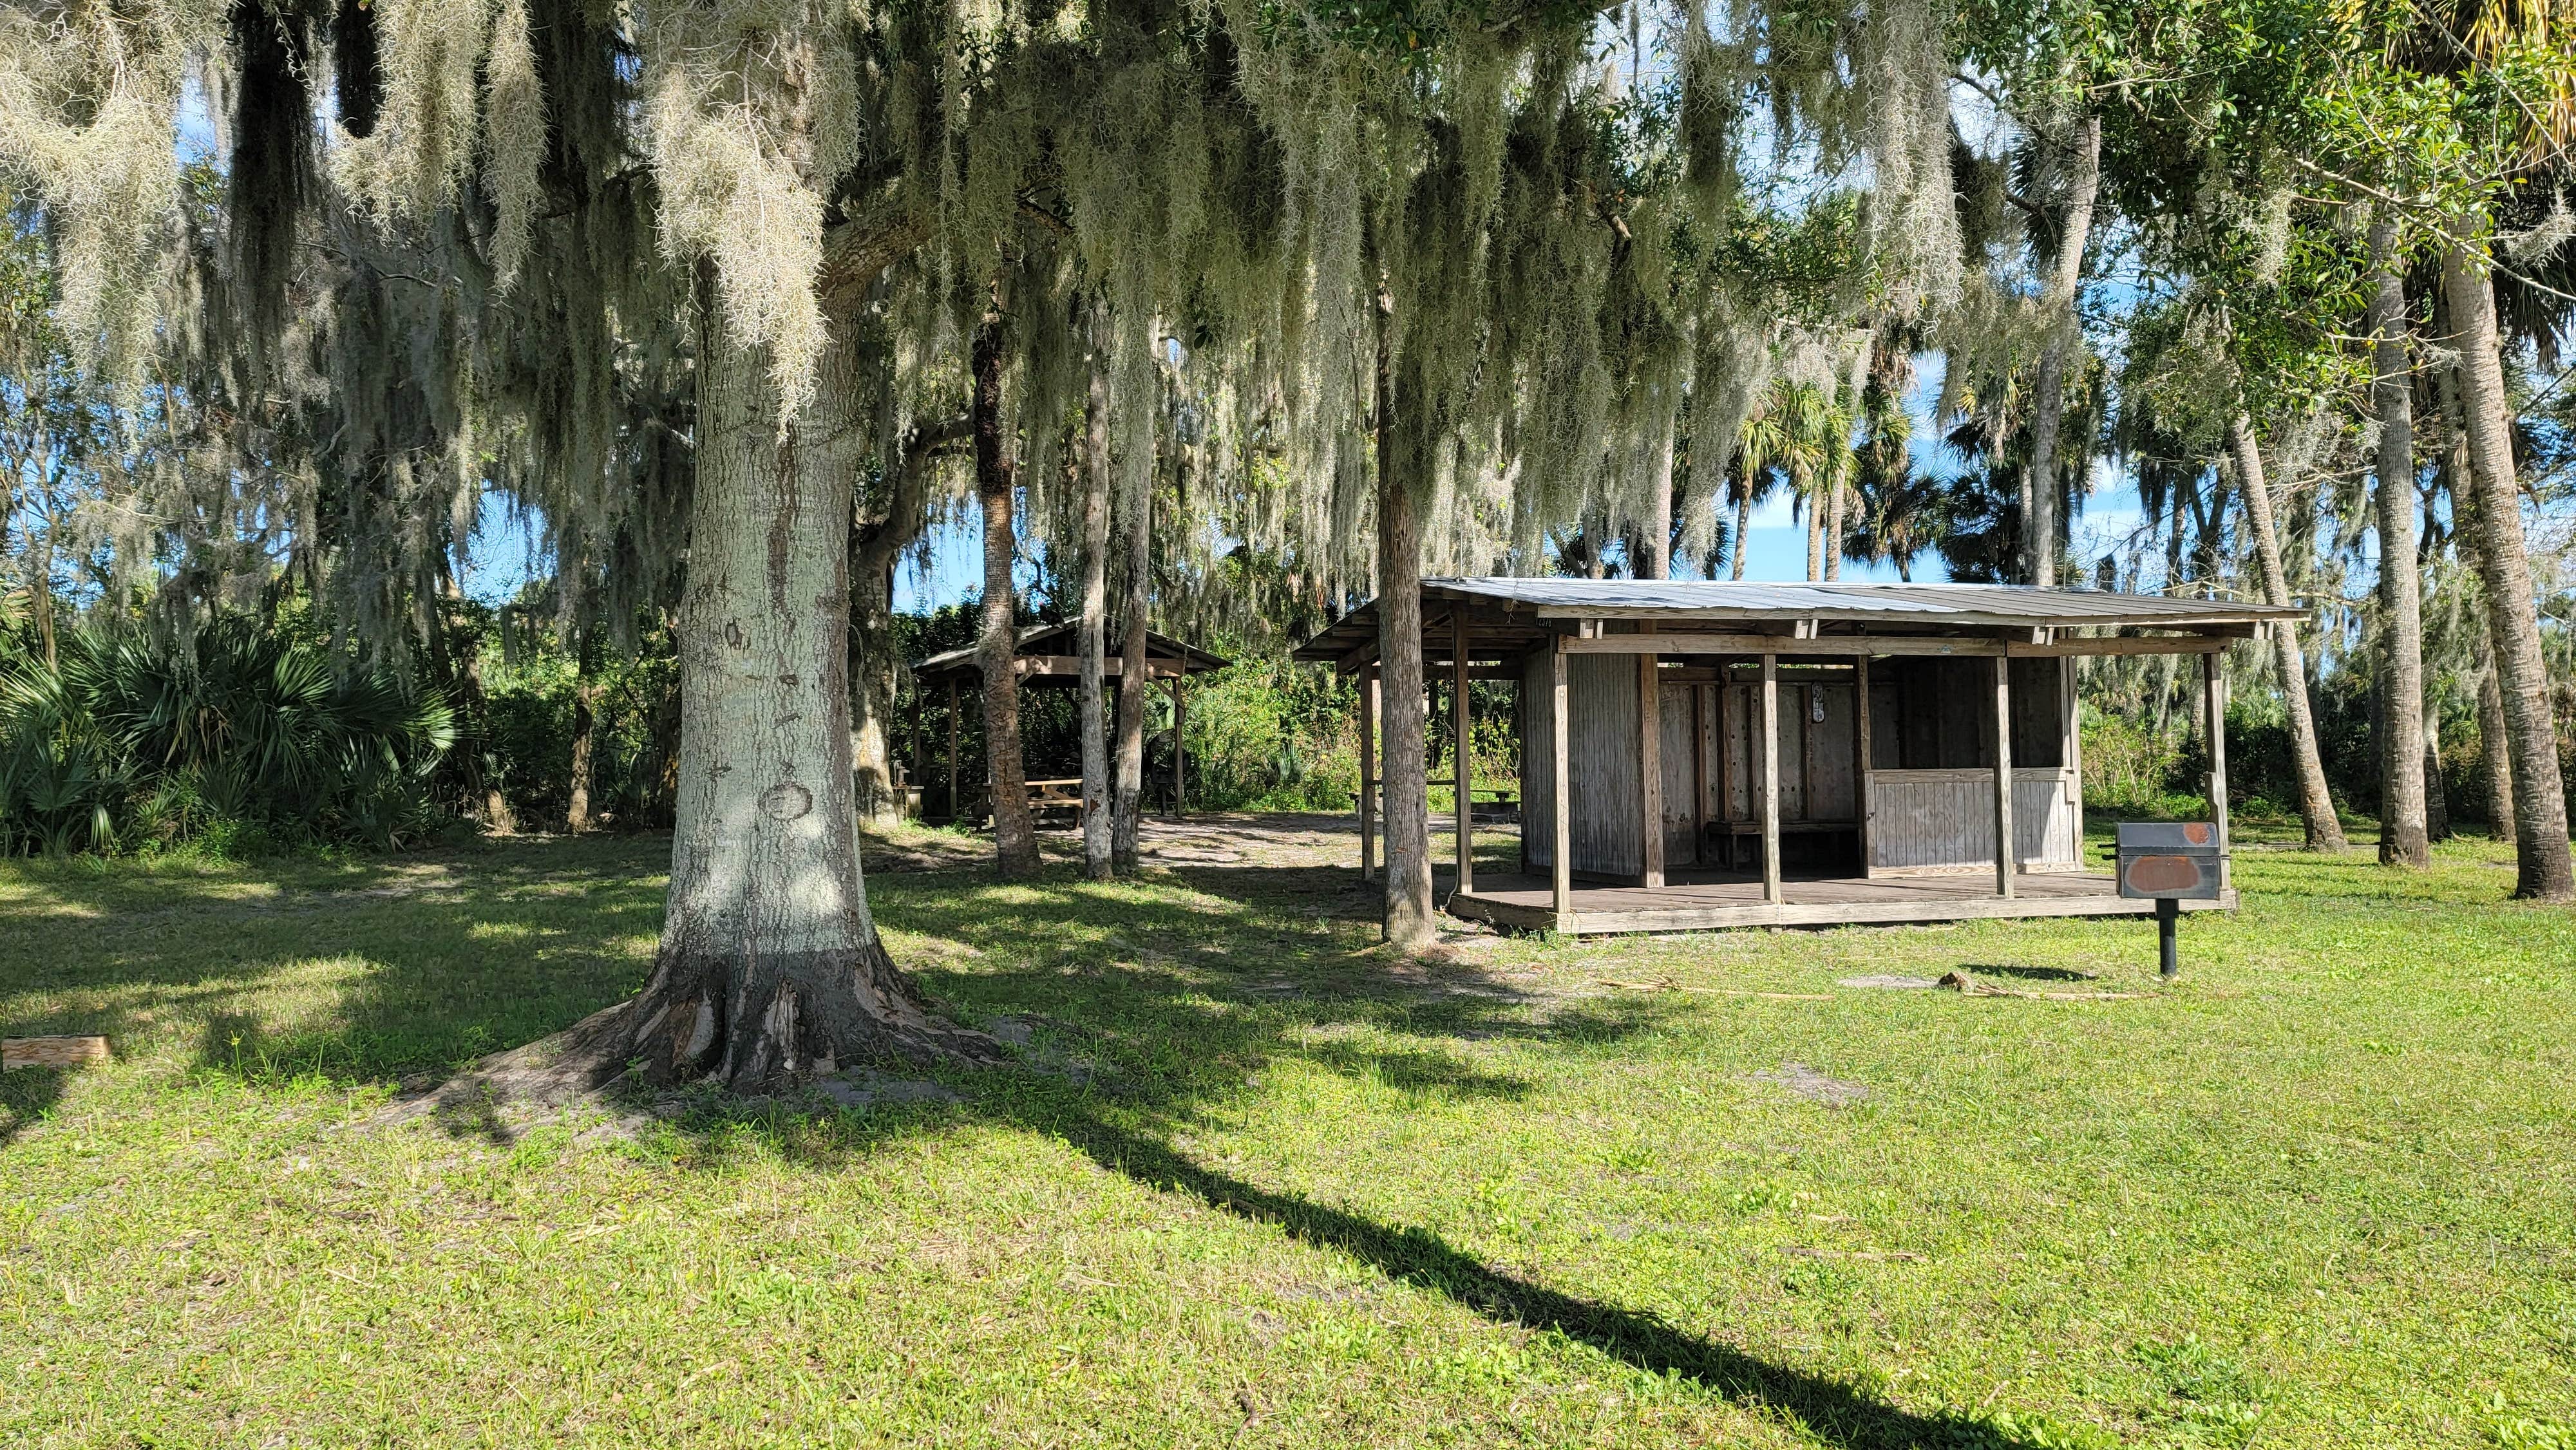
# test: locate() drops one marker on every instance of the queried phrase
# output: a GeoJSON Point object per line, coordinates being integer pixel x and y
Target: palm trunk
{"type": "Point", "coordinates": [1655, 553]}
{"type": "Point", "coordinates": [2048, 411]}
{"type": "Point", "coordinates": [2437, 800]}
{"type": "Point", "coordinates": [1815, 534]}
{"type": "Point", "coordinates": [1015, 836]}
{"type": "Point", "coordinates": [1129, 807]}
{"type": "Point", "coordinates": [1094, 630]}
{"type": "Point", "coordinates": [2545, 870]}
{"type": "Point", "coordinates": [1743, 525]}
{"type": "Point", "coordinates": [1835, 494]}
{"type": "Point", "coordinates": [1404, 774]}
{"type": "Point", "coordinates": [2316, 805]}
{"type": "Point", "coordinates": [2403, 834]}
{"type": "Point", "coordinates": [769, 962]}
{"type": "Point", "coordinates": [2495, 757]}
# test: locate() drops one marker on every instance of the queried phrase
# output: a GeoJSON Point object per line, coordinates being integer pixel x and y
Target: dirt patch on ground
{"type": "Point", "coordinates": [1812, 1085]}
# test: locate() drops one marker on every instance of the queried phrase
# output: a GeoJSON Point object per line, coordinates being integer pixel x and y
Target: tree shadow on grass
{"type": "Point", "coordinates": [1833, 1412]}
{"type": "Point", "coordinates": [1147, 1007]}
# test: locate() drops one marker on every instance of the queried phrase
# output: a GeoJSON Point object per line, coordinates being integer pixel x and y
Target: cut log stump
{"type": "Point", "coordinates": [18, 1052]}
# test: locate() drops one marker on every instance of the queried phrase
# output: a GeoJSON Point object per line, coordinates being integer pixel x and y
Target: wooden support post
{"type": "Point", "coordinates": [1560, 804]}
{"type": "Point", "coordinates": [1368, 775]}
{"type": "Point", "coordinates": [1860, 754]}
{"type": "Point", "coordinates": [1767, 788]}
{"type": "Point", "coordinates": [1650, 770]}
{"type": "Point", "coordinates": [1180, 737]}
{"type": "Point", "coordinates": [1462, 768]}
{"type": "Point", "coordinates": [2213, 700]}
{"type": "Point", "coordinates": [916, 769]}
{"type": "Point", "coordinates": [955, 805]}
{"type": "Point", "coordinates": [2003, 778]}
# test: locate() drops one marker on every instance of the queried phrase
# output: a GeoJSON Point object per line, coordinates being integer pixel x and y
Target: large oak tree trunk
{"type": "Point", "coordinates": [2048, 410]}
{"type": "Point", "coordinates": [1404, 773]}
{"type": "Point", "coordinates": [2316, 804]}
{"type": "Point", "coordinates": [2545, 869]}
{"type": "Point", "coordinates": [769, 963]}
{"type": "Point", "coordinates": [1096, 843]}
{"type": "Point", "coordinates": [1137, 508]}
{"type": "Point", "coordinates": [1015, 835]}
{"type": "Point", "coordinates": [2403, 836]}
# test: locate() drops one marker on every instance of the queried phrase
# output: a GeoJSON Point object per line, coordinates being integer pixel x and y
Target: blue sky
{"type": "Point", "coordinates": [500, 561]}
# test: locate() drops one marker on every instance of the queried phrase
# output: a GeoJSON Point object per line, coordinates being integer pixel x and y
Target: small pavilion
{"type": "Point", "coordinates": [1046, 658]}
{"type": "Point", "coordinates": [1705, 754]}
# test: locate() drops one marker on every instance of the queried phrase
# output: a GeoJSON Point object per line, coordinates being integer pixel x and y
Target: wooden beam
{"type": "Point", "coordinates": [2213, 694]}
{"type": "Point", "coordinates": [1767, 788]}
{"type": "Point", "coordinates": [2003, 778]}
{"type": "Point", "coordinates": [2250, 617]}
{"type": "Point", "coordinates": [954, 794]}
{"type": "Point", "coordinates": [1072, 665]}
{"type": "Point", "coordinates": [1463, 767]}
{"type": "Point", "coordinates": [1560, 805]}
{"type": "Point", "coordinates": [66, 1051]}
{"type": "Point", "coordinates": [1839, 647]}
{"type": "Point", "coordinates": [1861, 762]}
{"type": "Point", "coordinates": [2162, 644]}
{"type": "Point", "coordinates": [1368, 778]}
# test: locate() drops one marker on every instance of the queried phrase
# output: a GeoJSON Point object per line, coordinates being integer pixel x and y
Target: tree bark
{"type": "Point", "coordinates": [1836, 492]}
{"type": "Point", "coordinates": [873, 551]}
{"type": "Point", "coordinates": [1743, 525]}
{"type": "Point", "coordinates": [585, 701]}
{"type": "Point", "coordinates": [1815, 533]}
{"type": "Point", "coordinates": [1655, 551]}
{"type": "Point", "coordinates": [1128, 809]}
{"type": "Point", "coordinates": [1015, 832]}
{"type": "Point", "coordinates": [2048, 410]}
{"type": "Point", "coordinates": [769, 963]}
{"type": "Point", "coordinates": [2545, 870]}
{"type": "Point", "coordinates": [2403, 835]}
{"type": "Point", "coordinates": [1096, 844]}
{"type": "Point", "coordinates": [2437, 800]}
{"type": "Point", "coordinates": [2316, 805]}
{"type": "Point", "coordinates": [872, 689]}
{"type": "Point", "coordinates": [2495, 757]}
{"type": "Point", "coordinates": [1408, 925]}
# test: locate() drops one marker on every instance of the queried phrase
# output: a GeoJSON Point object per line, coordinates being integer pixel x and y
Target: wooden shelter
{"type": "Point", "coordinates": [1737, 754]}
{"type": "Point", "coordinates": [1046, 658]}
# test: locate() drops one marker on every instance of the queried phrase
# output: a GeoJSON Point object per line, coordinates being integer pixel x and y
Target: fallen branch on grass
{"type": "Point", "coordinates": [1968, 986]}
{"type": "Point", "coordinates": [1718, 991]}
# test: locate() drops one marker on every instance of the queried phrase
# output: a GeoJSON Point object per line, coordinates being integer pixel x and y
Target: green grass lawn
{"type": "Point", "coordinates": [1261, 1185]}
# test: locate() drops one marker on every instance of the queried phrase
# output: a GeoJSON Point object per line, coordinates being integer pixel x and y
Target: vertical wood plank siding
{"type": "Point", "coordinates": [1602, 755]}
{"type": "Point", "coordinates": [1538, 760]}
{"type": "Point", "coordinates": [1682, 806]}
{"type": "Point", "coordinates": [1945, 820]}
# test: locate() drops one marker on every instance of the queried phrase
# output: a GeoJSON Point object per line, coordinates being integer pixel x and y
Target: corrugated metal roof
{"type": "Point", "coordinates": [1925, 603]}
{"type": "Point", "coordinates": [1531, 608]}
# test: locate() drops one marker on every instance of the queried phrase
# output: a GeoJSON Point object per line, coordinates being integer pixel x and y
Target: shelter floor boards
{"type": "Point", "coordinates": [1708, 900]}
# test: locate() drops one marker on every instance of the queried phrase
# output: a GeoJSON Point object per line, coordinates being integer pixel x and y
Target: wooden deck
{"type": "Point", "coordinates": [1708, 900]}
